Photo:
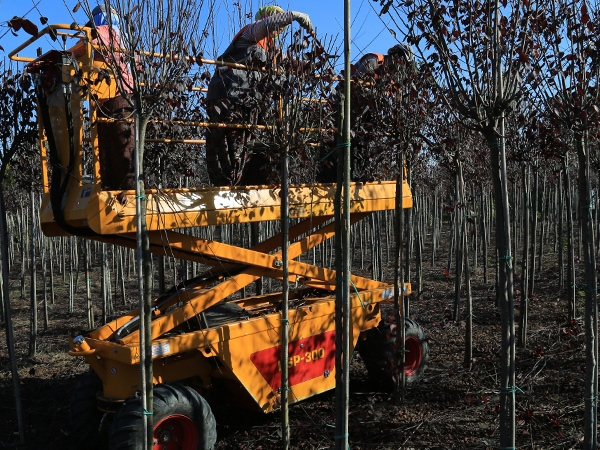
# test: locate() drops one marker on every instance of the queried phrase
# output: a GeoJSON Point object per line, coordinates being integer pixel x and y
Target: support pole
{"type": "Point", "coordinates": [343, 316]}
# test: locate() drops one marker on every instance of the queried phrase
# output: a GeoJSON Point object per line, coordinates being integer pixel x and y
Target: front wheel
{"type": "Point", "coordinates": [182, 420]}
{"type": "Point", "coordinates": [84, 416]}
{"type": "Point", "coordinates": [378, 351]}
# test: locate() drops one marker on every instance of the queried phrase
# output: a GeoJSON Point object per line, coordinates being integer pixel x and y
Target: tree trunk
{"type": "Point", "coordinates": [542, 216]}
{"type": "Point", "coordinates": [468, 361]}
{"type": "Point", "coordinates": [121, 274]}
{"type": "Point", "coordinates": [45, 281]}
{"type": "Point", "coordinates": [534, 226]}
{"type": "Point", "coordinates": [399, 312]}
{"type": "Point", "coordinates": [104, 283]}
{"type": "Point", "coordinates": [71, 276]}
{"type": "Point", "coordinates": [570, 239]}
{"type": "Point", "coordinates": [408, 235]}
{"type": "Point", "coordinates": [525, 258]}
{"type": "Point", "coordinates": [285, 418]}
{"type": "Point", "coordinates": [51, 259]}
{"type": "Point", "coordinates": [342, 231]}
{"type": "Point", "coordinates": [590, 437]}
{"type": "Point", "coordinates": [597, 210]}
{"type": "Point", "coordinates": [33, 328]}
{"type": "Point", "coordinates": [458, 248]}
{"type": "Point", "coordinates": [434, 225]}
{"type": "Point", "coordinates": [451, 249]}
{"type": "Point", "coordinates": [475, 225]}
{"type": "Point", "coordinates": [144, 266]}
{"type": "Point", "coordinates": [515, 221]}
{"type": "Point", "coordinates": [496, 143]}
{"type": "Point", "coordinates": [420, 232]}
{"type": "Point", "coordinates": [560, 232]}
{"type": "Point", "coordinates": [484, 234]}
{"type": "Point", "coordinates": [24, 233]}
{"type": "Point", "coordinates": [10, 338]}
{"type": "Point", "coordinates": [88, 284]}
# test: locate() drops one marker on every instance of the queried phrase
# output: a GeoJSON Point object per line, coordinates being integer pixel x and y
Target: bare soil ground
{"type": "Point", "coordinates": [452, 407]}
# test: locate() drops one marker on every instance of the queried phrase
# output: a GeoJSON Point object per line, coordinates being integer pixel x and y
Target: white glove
{"type": "Point", "coordinates": [303, 20]}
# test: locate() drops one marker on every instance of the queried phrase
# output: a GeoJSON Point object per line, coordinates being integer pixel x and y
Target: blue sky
{"type": "Point", "coordinates": [369, 33]}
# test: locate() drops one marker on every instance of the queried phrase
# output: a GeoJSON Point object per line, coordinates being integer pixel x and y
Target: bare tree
{"type": "Point", "coordinates": [157, 46]}
{"type": "Point", "coordinates": [566, 78]}
{"type": "Point", "coordinates": [524, 141]}
{"type": "Point", "coordinates": [17, 134]}
{"type": "Point", "coordinates": [477, 50]}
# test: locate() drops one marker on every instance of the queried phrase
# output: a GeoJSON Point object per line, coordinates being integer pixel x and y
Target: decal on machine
{"type": "Point", "coordinates": [387, 294]}
{"type": "Point", "coordinates": [309, 358]}
{"type": "Point", "coordinates": [161, 349]}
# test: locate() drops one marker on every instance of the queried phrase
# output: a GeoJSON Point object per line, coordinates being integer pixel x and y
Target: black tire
{"type": "Point", "coordinates": [378, 351]}
{"type": "Point", "coordinates": [84, 416]}
{"type": "Point", "coordinates": [182, 419]}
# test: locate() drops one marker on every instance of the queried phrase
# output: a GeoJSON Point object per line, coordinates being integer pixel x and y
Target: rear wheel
{"type": "Point", "coordinates": [378, 351]}
{"type": "Point", "coordinates": [182, 419]}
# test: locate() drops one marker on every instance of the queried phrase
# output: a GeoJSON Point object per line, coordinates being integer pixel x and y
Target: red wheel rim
{"type": "Point", "coordinates": [175, 432]}
{"type": "Point", "coordinates": [414, 356]}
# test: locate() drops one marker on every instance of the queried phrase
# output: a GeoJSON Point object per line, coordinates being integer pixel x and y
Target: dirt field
{"type": "Point", "coordinates": [452, 407]}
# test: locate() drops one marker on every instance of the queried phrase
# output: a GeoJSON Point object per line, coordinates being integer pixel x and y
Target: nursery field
{"type": "Point", "coordinates": [453, 406]}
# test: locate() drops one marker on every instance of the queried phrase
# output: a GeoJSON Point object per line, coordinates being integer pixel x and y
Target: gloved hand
{"type": "Point", "coordinates": [303, 20]}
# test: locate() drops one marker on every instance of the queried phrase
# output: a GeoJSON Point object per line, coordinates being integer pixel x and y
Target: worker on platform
{"type": "Point", "coordinates": [374, 64]}
{"type": "Point", "coordinates": [233, 98]}
{"type": "Point", "coordinates": [115, 137]}
{"type": "Point", "coordinates": [368, 73]}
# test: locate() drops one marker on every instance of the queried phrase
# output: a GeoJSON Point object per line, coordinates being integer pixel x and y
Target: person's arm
{"type": "Point", "coordinates": [262, 28]}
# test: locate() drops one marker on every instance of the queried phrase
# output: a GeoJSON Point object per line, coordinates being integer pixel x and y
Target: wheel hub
{"type": "Point", "coordinates": [175, 432]}
{"type": "Point", "coordinates": [414, 355]}
{"type": "Point", "coordinates": [164, 436]}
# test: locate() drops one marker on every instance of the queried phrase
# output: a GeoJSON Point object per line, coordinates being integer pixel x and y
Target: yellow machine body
{"type": "Point", "coordinates": [244, 353]}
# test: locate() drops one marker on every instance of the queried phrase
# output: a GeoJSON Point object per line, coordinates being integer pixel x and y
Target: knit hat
{"type": "Point", "coordinates": [100, 17]}
{"type": "Point", "coordinates": [266, 11]}
{"type": "Point", "coordinates": [402, 50]}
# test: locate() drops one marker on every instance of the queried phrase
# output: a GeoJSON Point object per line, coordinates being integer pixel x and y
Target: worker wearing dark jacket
{"type": "Point", "coordinates": [373, 63]}
{"type": "Point", "coordinates": [366, 74]}
{"type": "Point", "coordinates": [233, 98]}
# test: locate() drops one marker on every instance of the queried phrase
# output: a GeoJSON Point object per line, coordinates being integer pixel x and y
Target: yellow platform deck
{"type": "Point", "coordinates": [113, 212]}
